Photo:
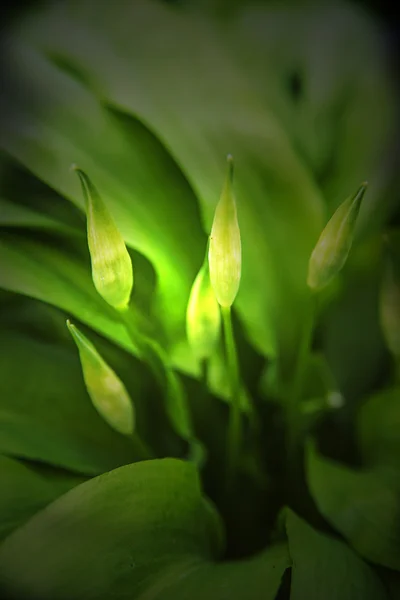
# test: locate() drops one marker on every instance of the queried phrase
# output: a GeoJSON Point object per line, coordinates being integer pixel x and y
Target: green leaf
{"type": "Point", "coordinates": [141, 531]}
{"type": "Point", "coordinates": [363, 505]}
{"type": "Point", "coordinates": [325, 567]}
{"type": "Point", "coordinates": [26, 489]}
{"type": "Point", "coordinates": [46, 414]}
{"type": "Point", "coordinates": [14, 215]}
{"type": "Point", "coordinates": [378, 426]}
{"type": "Point", "coordinates": [277, 199]}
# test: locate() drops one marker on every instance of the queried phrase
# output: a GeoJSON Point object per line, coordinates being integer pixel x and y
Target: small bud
{"type": "Point", "coordinates": [390, 302]}
{"type": "Point", "coordinates": [334, 244]}
{"type": "Point", "coordinates": [203, 317]}
{"type": "Point", "coordinates": [104, 387]}
{"type": "Point", "coordinates": [225, 252]}
{"type": "Point", "coordinates": [111, 264]}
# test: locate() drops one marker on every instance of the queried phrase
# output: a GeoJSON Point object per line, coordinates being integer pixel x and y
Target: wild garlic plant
{"type": "Point", "coordinates": [211, 299]}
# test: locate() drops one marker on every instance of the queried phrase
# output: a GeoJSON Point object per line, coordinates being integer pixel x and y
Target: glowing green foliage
{"type": "Point", "coordinates": [203, 317]}
{"type": "Point", "coordinates": [225, 252]}
{"type": "Point", "coordinates": [106, 390]}
{"type": "Point", "coordinates": [334, 243]}
{"type": "Point", "coordinates": [111, 264]}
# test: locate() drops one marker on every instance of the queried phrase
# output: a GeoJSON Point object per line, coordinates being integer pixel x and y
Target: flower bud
{"type": "Point", "coordinates": [334, 244]}
{"type": "Point", "coordinates": [225, 252]}
{"type": "Point", "coordinates": [106, 390]}
{"type": "Point", "coordinates": [111, 264]}
{"type": "Point", "coordinates": [390, 301]}
{"type": "Point", "coordinates": [203, 317]}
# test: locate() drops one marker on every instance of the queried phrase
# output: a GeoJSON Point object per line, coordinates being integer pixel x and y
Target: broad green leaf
{"type": "Point", "coordinates": [258, 578]}
{"type": "Point", "coordinates": [363, 505]}
{"type": "Point", "coordinates": [378, 427]}
{"type": "Point", "coordinates": [277, 199]}
{"type": "Point", "coordinates": [14, 215]}
{"type": "Point", "coordinates": [325, 567]}
{"type": "Point", "coordinates": [46, 414]}
{"type": "Point", "coordinates": [27, 488]}
{"type": "Point", "coordinates": [148, 533]}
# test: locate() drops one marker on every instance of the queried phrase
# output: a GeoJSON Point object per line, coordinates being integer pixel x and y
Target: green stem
{"type": "Point", "coordinates": [140, 343]}
{"type": "Point", "coordinates": [234, 432]}
{"type": "Point", "coordinates": [294, 415]}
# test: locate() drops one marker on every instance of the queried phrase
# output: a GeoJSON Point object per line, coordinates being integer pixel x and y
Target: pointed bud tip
{"type": "Point", "coordinates": [362, 189]}
{"type": "Point", "coordinates": [230, 162]}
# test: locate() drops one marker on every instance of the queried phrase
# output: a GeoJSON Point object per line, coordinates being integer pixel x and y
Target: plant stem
{"type": "Point", "coordinates": [234, 432]}
{"type": "Point", "coordinates": [294, 420]}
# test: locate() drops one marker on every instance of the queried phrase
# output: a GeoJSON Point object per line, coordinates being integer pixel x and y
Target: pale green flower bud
{"type": "Point", "coordinates": [111, 264]}
{"type": "Point", "coordinates": [106, 390]}
{"type": "Point", "coordinates": [334, 244]}
{"type": "Point", "coordinates": [203, 316]}
{"type": "Point", "coordinates": [390, 301]}
{"type": "Point", "coordinates": [225, 252]}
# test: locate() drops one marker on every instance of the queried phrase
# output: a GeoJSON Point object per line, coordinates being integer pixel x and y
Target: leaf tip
{"type": "Point", "coordinates": [230, 163]}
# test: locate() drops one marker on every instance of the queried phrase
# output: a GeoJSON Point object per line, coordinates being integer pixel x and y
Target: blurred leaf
{"type": "Point", "coordinates": [163, 85]}
{"type": "Point", "coordinates": [13, 215]}
{"type": "Point", "coordinates": [26, 489]}
{"type": "Point", "coordinates": [363, 505]}
{"type": "Point", "coordinates": [378, 427]}
{"type": "Point", "coordinates": [390, 294]}
{"type": "Point", "coordinates": [151, 533]}
{"type": "Point", "coordinates": [325, 567]}
{"type": "Point", "coordinates": [340, 108]}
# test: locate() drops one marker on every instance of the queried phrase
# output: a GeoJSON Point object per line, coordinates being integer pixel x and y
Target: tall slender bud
{"type": "Point", "coordinates": [112, 271]}
{"type": "Point", "coordinates": [225, 251]}
{"type": "Point", "coordinates": [334, 244]}
{"type": "Point", "coordinates": [203, 316]}
{"type": "Point", "coordinates": [106, 390]}
{"type": "Point", "coordinates": [390, 299]}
